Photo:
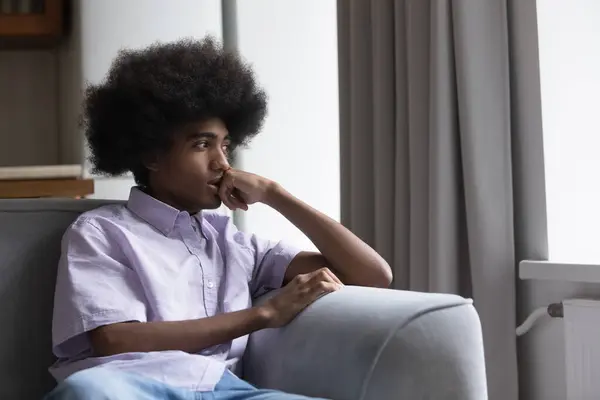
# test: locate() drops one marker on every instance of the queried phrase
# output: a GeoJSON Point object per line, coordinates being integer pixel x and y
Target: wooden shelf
{"type": "Point", "coordinates": [33, 30]}
{"type": "Point", "coordinates": [34, 188]}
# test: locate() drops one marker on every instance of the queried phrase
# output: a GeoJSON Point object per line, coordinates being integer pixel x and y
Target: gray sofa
{"type": "Point", "coordinates": [358, 343]}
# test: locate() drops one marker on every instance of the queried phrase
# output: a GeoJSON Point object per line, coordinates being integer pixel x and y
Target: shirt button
{"type": "Point", "coordinates": [210, 284]}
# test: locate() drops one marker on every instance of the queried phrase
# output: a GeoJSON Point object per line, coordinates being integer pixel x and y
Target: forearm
{"type": "Point", "coordinates": [190, 336]}
{"type": "Point", "coordinates": [355, 261]}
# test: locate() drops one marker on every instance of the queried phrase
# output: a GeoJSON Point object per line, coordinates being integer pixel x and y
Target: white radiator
{"type": "Point", "coordinates": [582, 348]}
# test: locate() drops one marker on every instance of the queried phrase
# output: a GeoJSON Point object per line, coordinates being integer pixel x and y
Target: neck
{"type": "Point", "coordinates": [171, 200]}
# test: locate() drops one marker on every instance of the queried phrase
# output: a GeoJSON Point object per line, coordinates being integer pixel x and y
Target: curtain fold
{"type": "Point", "coordinates": [441, 151]}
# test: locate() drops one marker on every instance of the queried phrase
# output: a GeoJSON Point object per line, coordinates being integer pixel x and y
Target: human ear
{"type": "Point", "coordinates": [151, 162]}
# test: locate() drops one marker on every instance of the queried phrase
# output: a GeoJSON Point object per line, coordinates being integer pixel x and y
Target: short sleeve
{"type": "Point", "coordinates": [268, 259]}
{"type": "Point", "coordinates": [271, 260]}
{"type": "Point", "coordinates": [94, 287]}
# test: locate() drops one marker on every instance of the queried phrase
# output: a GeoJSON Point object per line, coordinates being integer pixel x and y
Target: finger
{"type": "Point", "coordinates": [229, 194]}
{"type": "Point", "coordinates": [228, 203]}
{"type": "Point", "coordinates": [334, 276]}
{"type": "Point", "coordinates": [225, 189]}
{"type": "Point", "coordinates": [323, 288]}
{"type": "Point", "coordinates": [299, 280]}
{"type": "Point", "coordinates": [225, 185]}
{"type": "Point", "coordinates": [236, 202]}
{"type": "Point", "coordinates": [239, 200]}
{"type": "Point", "coordinates": [322, 274]}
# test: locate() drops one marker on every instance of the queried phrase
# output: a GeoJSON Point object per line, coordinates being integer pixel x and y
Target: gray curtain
{"type": "Point", "coordinates": [441, 151]}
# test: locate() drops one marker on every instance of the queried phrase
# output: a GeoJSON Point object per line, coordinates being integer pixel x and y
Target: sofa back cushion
{"type": "Point", "coordinates": [30, 242]}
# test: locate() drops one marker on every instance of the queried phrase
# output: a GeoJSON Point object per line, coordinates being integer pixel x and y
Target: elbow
{"type": "Point", "coordinates": [378, 275]}
{"type": "Point", "coordinates": [384, 277]}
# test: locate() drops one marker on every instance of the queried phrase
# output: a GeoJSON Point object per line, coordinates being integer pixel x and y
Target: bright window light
{"type": "Point", "coordinates": [569, 45]}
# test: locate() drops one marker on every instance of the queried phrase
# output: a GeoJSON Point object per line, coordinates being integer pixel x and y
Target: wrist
{"type": "Point", "coordinates": [264, 315]}
{"type": "Point", "coordinates": [273, 193]}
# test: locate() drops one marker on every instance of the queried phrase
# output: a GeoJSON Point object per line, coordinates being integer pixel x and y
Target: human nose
{"type": "Point", "coordinates": [220, 161]}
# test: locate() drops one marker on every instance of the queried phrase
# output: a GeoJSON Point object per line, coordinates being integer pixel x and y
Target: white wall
{"type": "Point", "coordinates": [569, 34]}
{"type": "Point", "coordinates": [293, 47]}
{"type": "Point", "coordinates": [104, 27]}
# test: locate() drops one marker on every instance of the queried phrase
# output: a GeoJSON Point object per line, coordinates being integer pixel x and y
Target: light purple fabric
{"type": "Point", "coordinates": [147, 261]}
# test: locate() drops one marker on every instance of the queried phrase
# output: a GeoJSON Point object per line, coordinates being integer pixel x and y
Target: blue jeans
{"type": "Point", "coordinates": [108, 384]}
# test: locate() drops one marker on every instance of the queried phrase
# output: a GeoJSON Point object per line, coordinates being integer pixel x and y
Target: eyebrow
{"type": "Point", "coordinates": [204, 135]}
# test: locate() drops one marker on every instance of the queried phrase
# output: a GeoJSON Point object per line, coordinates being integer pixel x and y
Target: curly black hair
{"type": "Point", "coordinates": [151, 92]}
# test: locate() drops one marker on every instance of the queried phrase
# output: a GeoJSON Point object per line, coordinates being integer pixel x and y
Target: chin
{"type": "Point", "coordinates": [212, 204]}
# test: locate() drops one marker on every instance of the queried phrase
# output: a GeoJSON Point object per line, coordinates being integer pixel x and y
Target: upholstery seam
{"type": "Point", "coordinates": [397, 328]}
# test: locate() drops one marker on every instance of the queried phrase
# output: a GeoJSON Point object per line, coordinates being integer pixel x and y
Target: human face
{"type": "Point", "coordinates": [187, 176]}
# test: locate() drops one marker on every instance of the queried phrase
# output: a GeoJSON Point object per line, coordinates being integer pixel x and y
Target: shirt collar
{"type": "Point", "coordinates": [158, 214]}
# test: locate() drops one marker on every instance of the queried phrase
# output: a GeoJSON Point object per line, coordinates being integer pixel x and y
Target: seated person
{"type": "Point", "coordinates": [154, 298]}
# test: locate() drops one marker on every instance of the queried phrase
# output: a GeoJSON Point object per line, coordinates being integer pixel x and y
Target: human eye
{"type": "Point", "coordinates": [226, 146]}
{"type": "Point", "coordinates": [201, 144]}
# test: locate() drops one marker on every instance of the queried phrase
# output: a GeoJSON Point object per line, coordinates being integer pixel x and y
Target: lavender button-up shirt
{"type": "Point", "coordinates": [146, 261]}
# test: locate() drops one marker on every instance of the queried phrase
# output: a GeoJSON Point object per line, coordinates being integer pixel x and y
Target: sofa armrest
{"type": "Point", "coordinates": [365, 343]}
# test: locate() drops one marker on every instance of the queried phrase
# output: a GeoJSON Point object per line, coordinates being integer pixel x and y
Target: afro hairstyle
{"type": "Point", "coordinates": [149, 93]}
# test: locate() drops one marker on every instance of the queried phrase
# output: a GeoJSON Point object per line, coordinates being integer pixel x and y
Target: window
{"type": "Point", "coordinates": [569, 46]}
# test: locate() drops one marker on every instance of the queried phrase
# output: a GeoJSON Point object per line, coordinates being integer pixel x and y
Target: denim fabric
{"type": "Point", "coordinates": [104, 383]}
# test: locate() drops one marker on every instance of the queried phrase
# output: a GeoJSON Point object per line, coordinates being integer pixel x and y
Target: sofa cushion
{"type": "Point", "coordinates": [30, 237]}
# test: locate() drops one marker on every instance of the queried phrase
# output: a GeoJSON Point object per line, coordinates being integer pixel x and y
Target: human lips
{"type": "Point", "coordinates": [215, 183]}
